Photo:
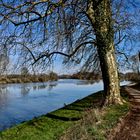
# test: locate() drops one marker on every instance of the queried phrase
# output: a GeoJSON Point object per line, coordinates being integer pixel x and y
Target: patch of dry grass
{"type": "Point", "coordinates": [96, 124]}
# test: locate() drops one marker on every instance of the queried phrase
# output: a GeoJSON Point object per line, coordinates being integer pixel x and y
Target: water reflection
{"type": "Point", "coordinates": [24, 89]}
{"type": "Point", "coordinates": [41, 86]}
{"type": "Point", "coordinates": [3, 95]}
{"type": "Point", "coordinates": [49, 86]}
{"type": "Point", "coordinates": [88, 82]}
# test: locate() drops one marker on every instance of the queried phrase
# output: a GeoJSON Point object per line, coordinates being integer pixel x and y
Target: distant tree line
{"type": "Point", "coordinates": [28, 78]}
{"type": "Point", "coordinates": [83, 76]}
{"type": "Point", "coordinates": [132, 76]}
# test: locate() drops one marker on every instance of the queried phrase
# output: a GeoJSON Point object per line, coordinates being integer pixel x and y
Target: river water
{"type": "Point", "coordinates": [21, 102]}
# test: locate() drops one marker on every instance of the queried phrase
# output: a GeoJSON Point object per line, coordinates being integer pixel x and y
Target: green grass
{"type": "Point", "coordinates": [96, 123]}
{"type": "Point", "coordinates": [113, 113]}
{"type": "Point", "coordinates": [108, 121]}
{"type": "Point", "coordinates": [55, 124]}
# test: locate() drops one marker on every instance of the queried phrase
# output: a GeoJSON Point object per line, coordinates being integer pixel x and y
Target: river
{"type": "Point", "coordinates": [21, 102]}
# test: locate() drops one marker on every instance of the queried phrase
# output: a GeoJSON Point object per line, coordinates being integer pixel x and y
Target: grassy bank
{"type": "Point", "coordinates": [80, 119]}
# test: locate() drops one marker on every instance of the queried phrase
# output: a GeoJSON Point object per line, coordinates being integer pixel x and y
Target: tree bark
{"type": "Point", "coordinates": [100, 15]}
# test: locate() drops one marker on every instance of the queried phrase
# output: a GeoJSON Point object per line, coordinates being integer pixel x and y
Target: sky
{"type": "Point", "coordinates": [60, 68]}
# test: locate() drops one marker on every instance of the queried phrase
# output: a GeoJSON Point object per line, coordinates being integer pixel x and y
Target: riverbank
{"type": "Point", "coordinates": [84, 118]}
{"type": "Point", "coordinates": [10, 79]}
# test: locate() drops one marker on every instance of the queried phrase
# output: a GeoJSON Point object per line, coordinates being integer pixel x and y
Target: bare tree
{"type": "Point", "coordinates": [80, 30]}
{"type": "Point", "coordinates": [4, 59]}
{"type": "Point", "coordinates": [24, 71]}
{"type": "Point", "coordinates": [135, 62]}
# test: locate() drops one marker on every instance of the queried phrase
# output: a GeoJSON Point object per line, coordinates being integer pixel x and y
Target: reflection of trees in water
{"type": "Point", "coordinates": [48, 86]}
{"type": "Point", "coordinates": [34, 87]}
{"type": "Point", "coordinates": [88, 82]}
{"type": "Point", "coordinates": [42, 86]}
{"type": "Point", "coordinates": [24, 89]}
{"type": "Point", "coordinates": [51, 86]}
{"type": "Point", "coordinates": [3, 95]}
{"type": "Point", "coordinates": [37, 87]}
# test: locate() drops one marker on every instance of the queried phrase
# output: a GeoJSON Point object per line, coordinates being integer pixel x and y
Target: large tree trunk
{"type": "Point", "coordinates": [99, 13]}
{"type": "Point", "coordinates": [110, 75]}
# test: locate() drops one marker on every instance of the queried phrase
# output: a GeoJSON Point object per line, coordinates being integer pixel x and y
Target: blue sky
{"type": "Point", "coordinates": [59, 68]}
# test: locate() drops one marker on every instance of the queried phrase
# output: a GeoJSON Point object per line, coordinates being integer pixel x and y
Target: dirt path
{"type": "Point", "coordinates": [129, 127]}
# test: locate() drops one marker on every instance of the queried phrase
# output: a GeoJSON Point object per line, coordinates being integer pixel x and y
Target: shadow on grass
{"type": "Point", "coordinates": [76, 109]}
{"type": "Point", "coordinates": [52, 116]}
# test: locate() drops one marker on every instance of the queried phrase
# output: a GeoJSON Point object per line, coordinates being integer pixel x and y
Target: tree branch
{"type": "Point", "coordinates": [50, 9]}
{"type": "Point", "coordinates": [64, 54]}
